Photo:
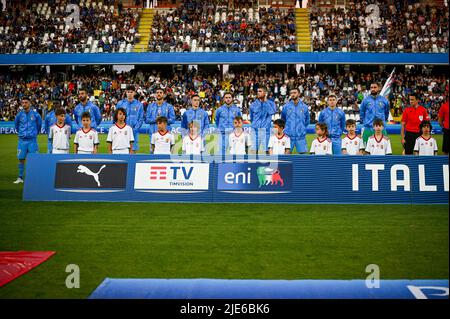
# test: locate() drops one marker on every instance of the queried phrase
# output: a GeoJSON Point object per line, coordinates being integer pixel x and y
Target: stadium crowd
{"type": "Point", "coordinates": [394, 26]}
{"type": "Point", "coordinates": [199, 26]}
{"type": "Point", "coordinates": [41, 27]}
{"type": "Point", "coordinates": [107, 88]}
{"type": "Point", "coordinates": [221, 25]}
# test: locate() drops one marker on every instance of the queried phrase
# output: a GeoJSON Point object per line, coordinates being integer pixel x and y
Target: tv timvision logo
{"type": "Point", "coordinates": [91, 176]}
{"type": "Point", "coordinates": [171, 176]}
{"type": "Point", "coordinates": [254, 178]}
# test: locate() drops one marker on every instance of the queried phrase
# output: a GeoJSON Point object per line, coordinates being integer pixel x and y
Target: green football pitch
{"type": "Point", "coordinates": [239, 241]}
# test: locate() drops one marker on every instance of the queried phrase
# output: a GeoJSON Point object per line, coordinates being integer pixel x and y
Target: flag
{"type": "Point", "coordinates": [386, 90]}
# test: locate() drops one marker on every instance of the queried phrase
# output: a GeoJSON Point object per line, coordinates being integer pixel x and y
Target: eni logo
{"type": "Point", "coordinates": [269, 176]}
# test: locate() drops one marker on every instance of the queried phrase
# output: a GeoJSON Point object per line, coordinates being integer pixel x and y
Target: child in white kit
{"type": "Point", "coordinates": [162, 140]}
{"type": "Point", "coordinates": [378, 144]}
{"type": "Point", "coordinates": [322, 145]}
{"type": "Point", "coordinates": [352, 144]}
{"type": "Point", "coordinates": [60, 133]}
{"type": "Point", "coordinates": [425, 144]}
{"type": "Point", "coordinates": [86, 139]}
{"type": "Point", "coordinates": [279, 143]}
{"type": "Point", "coordinates": [120, 136]}
{"type": "Point", "coordinates": [239, 141]}
{"type": "Point", "coordinates": [193, 142]}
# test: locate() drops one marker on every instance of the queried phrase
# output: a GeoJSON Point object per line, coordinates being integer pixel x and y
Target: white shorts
{"type": "Point", "coordinates": [122, 151]}
{"type": "Point", "coordinates": [84, 152]}
{"type": "Point", "coordinates": [56, 151]}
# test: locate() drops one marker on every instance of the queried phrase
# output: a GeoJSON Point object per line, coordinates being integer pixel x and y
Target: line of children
{"type": "Point", "coordinates": [120, 138]}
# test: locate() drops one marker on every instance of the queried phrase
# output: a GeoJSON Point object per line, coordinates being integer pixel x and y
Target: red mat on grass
{"type": "Point", "coordinates": [15, 263]}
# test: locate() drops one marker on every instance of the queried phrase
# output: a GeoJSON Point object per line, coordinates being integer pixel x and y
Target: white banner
{"type": "Point", "coordinates": [172, 176]}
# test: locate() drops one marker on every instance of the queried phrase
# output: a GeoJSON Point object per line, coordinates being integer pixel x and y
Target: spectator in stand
{"type": "Point", "coordinates": [397, 26]}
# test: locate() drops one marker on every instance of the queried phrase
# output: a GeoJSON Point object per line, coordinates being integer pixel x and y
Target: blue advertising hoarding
{"type": "Point", "coordinates": [288, 179]}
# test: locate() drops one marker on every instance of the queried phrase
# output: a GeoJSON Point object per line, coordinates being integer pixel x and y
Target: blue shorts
{"type": "Point", "coordinates": [300, 144]}
{"type": "Point", "coordinates": [26, 146]}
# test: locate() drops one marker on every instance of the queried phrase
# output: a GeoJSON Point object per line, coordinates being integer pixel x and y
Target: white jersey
{"type": "Point", "coordinates": [120, 137]}
{"type": "Point", "coordinates": [352, 145]}
{"type": "Point", "coordinates": [425, 146]}
{"type": "Point", "coordinates": [60, 136]}
{"type": "Point", "coordinates": [378, 147]}
{"type": "Point", "coordinates": [322, 147]}
{"type": "Point", "coordinates": [238, 143]}
{"type": "Point", "coordinates": [193, 146]}
{"type": "Point", "coordinates": [86, 140]}
{"type": "Point", "coordinates": [279, 144]}
{"type": "Point", "coordinates": [162, 142]}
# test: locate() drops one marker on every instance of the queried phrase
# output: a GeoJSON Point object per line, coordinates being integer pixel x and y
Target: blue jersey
{"type": "Point", "coordinates": [50, 120]}
{"type": "Point", "coordinates": [135, 113]}
{"type": "Point", "coordinates": [372, 108]}
{"type": "Point", "coordinates": [198, 115]}
{"type": "Point", "coordinates": [261, 114]}
{"type": "Point", "coordinates": [335, 121]}
{"type": "Point", "coordinates": [297, 119]}
{"type": "Point", "coordinates": [96, 117]}
{"type": "Point", "coordinates": [225, 115]}
{"type": "Point", "coordinates": [28, 124]}
{"type": "Point", "coordinates": [154, 111]}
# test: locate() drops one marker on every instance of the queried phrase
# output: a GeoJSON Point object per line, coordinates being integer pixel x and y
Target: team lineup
{"type": "Point", "coordinates": [273, 137]}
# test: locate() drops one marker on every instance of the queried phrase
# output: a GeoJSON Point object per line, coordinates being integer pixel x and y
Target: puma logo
{"type": "Point", "coordinates": [83, 169]}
